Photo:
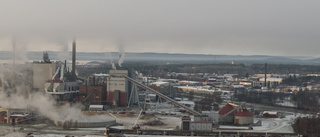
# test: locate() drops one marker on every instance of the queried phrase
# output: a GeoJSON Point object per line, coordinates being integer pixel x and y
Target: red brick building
{"type": "Point", "coordinates": [97, 95]}
{"type": "Point", "coordinates": [3, 117]}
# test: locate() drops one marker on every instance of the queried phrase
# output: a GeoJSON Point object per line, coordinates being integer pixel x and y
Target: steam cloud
{"type": "Point", "coordinates": [111, 61]}
{"type": "Point", "coordinates": [64, 51]}
{"type": "Point", "coordinates": [19, 50]}
{"type": "Point", "coordinates": [121, 53]}
{"type": "Point", "coordinates": [121, 58]}
{"type": "Point", "coordinates": [42, 103]}
{"type": "Point", "coordinates": [22, 97]}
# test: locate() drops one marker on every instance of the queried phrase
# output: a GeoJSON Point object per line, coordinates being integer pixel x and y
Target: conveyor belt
{"type": "Point", "coordinates": [161, 95]}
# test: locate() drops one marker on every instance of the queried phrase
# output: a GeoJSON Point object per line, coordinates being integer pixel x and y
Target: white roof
{"type": "Point", "coordinates": [153, 95]}
{"type": "Point", "coordinates": [270, 112]}
{"type": "Point", "coordinates": [101, 75]}
{"type": "Point", "coordinates": [238, 86]}
{"type": "Point", "coordinates": [212, 79]}
{"type": "Point", "coordinates": [184, 81]}
{"type": "Point", "coordinates": [159, 83]}
{"type": "Point", "coordinates": [196, 88]}
{"type": "Point", "coordinates": [166, 80]}
{"type": "Point", "coordinates": [186, 102]}
{"type": "Point", "coordinates": [272, 79]}
{"type": "Point", "coordinates": [96, 106]}
{"type": "Point", "coordinates": [18, 115]}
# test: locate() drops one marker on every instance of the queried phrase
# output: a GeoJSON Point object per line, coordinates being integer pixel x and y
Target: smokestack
{"type": "Point", "coordinates": [265, 75]}
{"type": "Point", "coordinates": [13, 51]}
{"type": "Point", "coordinates": [73, 71]}
{"type": "Point", "coordinates": [65, 65]}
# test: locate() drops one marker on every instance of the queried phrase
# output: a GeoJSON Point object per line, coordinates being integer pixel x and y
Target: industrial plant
{"type": "Point", "coordinates": [125, 101]}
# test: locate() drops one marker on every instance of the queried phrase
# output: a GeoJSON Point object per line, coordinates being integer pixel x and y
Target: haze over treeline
{"type": "Point", "coordinates": [161, 58]}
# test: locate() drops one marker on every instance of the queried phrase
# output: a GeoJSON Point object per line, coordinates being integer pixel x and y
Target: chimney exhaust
{"type": "Point", "coordinates": [73, 71]}
{"type": "Point", "coordinates": [265, 74]}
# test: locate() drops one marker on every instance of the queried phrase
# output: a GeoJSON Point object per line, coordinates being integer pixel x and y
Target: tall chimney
{"type": "Point", "coordinates": [73, 71]}
{"type": "Point", "coordinates": [265, 74]}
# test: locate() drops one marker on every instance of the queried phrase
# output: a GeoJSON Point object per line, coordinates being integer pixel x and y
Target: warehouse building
{"type": "Point", "coordinates": [235, 114]}
{"type": "Point", "coordinates": [243, 117]}
{"type": "Point", "coordinates": [200, 123]}
{"type": "Point", "coordinates": [227, 113]}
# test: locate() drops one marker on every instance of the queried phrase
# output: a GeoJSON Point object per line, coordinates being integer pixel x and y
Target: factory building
{"type": "Point", "coordinates": [235, 114]}
{"type": "Point", "coordinates": [226, 114]}
{"type": "Point", "coordinates": [43, 71]}
{"type": "Point", "coordinates": [14, 116]}
{"type": "Point", "coordinates": [200, 123]}
{"type": "Point", "coordinates": [243, 117]}
{"type": "Point", "coordinates": [117, 88]}
{"type": "Point", "coordinates": [271, 82]}
{"type": "Point", "coordinates": [63, 84]}
{"type": "Point", "coordinates": [105, 89]}
{"type": "Point", "coordinates": [94, 90]}
{"type": "Point", "coordinates": [97, 80]}
{"type": "Point", "coordinates": [92, 95]}
{"type": "Point", "coordinates": [201, 126]}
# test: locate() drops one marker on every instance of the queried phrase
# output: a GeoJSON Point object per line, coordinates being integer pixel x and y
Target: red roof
{"type": "Point", "coordinates": [227, 108]}
{"type": "Point", "coordinates": [244, 113]}
{"type": "Point", "coordinates": [186, 118]}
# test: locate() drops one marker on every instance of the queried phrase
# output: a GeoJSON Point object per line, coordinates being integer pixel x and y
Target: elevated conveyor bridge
{"type": "Point", "coordinates": [161, 95]}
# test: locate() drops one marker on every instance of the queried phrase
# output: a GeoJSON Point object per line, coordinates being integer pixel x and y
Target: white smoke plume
{"type": "Point", "coordinates": [21, 97]}
{"type": "Point", "coordinates": [63, 50]}
{"type": "Point", "coordinates": [19, 50]}
{"type": "Point", "coordinates": [46, 107]}
{"type": "Point", "coordinates": [121, 56]}
{"type": "Point", "coordinates": [113, 66]}
{"type": "Point", "coordinates": [111, 61]}
{"type": "Point", "coordinates": [121, 52]}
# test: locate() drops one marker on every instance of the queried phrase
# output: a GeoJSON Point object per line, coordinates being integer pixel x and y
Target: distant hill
{"type": "Point", "coordinates": [170, 58]}
{"type": "Point", "coordinates": [314, 60]}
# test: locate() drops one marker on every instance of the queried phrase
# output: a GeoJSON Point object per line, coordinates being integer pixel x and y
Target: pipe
{"type": "Point", "coordinates": [57, 71]}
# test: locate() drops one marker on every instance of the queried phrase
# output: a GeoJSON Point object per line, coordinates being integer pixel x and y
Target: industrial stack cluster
{"type": "Point", "coordinates": [55, 78]}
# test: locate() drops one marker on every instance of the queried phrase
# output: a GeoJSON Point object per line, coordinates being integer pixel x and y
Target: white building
{"type": "Point", "coordinates": [201, 126]}
{"type": "Point", "coordinates": [117, 88]}
{"type": "Point", "coordinates": [271, 81]}
{"type": "Point", "coordinates": [42, 71]}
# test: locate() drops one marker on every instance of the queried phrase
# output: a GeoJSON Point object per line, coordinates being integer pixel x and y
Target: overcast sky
{"type": "Point", "coordinates": [269, 27]}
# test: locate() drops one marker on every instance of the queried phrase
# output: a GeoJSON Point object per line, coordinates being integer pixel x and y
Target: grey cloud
{"type": "Point", "coordinates": [184, 26]}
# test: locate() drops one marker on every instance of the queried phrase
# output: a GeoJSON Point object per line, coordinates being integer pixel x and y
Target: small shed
{"type": "Point", "coordinates": [270, 114]}
{"type": "Point", "coordinates": [19, 118]}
